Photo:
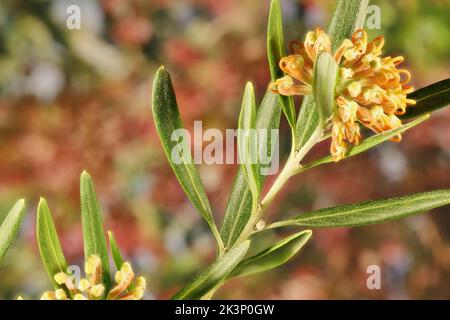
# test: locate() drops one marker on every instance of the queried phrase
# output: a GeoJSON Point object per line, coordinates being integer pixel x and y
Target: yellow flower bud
{"type": "Point", "coordinates": [126, 268]}
{"type": "Point", "coordinates": [84, 285]}
{"type": "Point", "coordinates": [377, 113]}
{"type": "Point", "coordinates": [141, 282]}
{"type": "Point", "coordinates": [119, 276]}
{"type": "Point", "coordinates": [60, 294]}
{"type": "Point", "coordinates": [92, 264]}
{"type": "Point", "coordinates": [354, 89]}
{"type": "Point", "coordinates": [372, 93]}
{"type": "Point", "coordinates": [61, 277]}
{"type": "Point", "coordinates": [351, 54]}
{"type": "Point", "coordinates": [79, 296]}
{"type": "Point", "coordinates": [345, 73]}
{"type": "Point", "coordinates": [138, 293]}
{"type": "Point", "coordinates": [49, 295]}
{"type": "Point", "coordinates": [97, 290]}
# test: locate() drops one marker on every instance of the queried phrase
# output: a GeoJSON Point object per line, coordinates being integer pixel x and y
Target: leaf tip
{"type": "Point", "coordinates": [21, 202]}
{"type": "Point", "coordinates": [110, 236]}
{"type": "Point", "coordinates": [40, 211]}
{"type": "Point", "coordinates": [274, 4]}
{"type": "Point", "coordinates": [307, 233]}
{"type": "Point", "coordinates": [85, 175]}
{"type": "Point", "coordinates": [162, 71]}
{"type": "Point", "coordinates": [249, 93]}
{"type": "Point", "coordinates": [42, 202]}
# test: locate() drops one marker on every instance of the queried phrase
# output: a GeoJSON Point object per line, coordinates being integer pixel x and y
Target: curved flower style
{"type": "Point", "coordinates": [370, 89]}
{"type": "Point", "coordinates": [91, 288]}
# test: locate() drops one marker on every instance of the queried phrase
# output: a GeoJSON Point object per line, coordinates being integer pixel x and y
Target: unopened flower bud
{"type": "Point", "coordinates": [84, 285]}
{"type": "Point", "coordinates": [61, 277]}
{"type": "Point", "coordinates": [97, 290]}
{"type": "Point", "coordinates": [79, 296]}
{"type": "Point", "coordinates": [49, 295]}
{"type": "Point", "coordinates": [60, 294]}
{"type": "Point", "coordinates": [92, 264]}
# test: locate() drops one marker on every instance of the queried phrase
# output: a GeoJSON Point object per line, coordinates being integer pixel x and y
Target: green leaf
{"type": "Point", "coordinates": [239, 206]}
{"type": "Point", "coordinates": [52, 255]}
{"type": "Point", "coordinates": [237, 211]}
{"type": "Point", "coordinates": [273, 256]}
{"type": "Point", "coordinates": [308, 123]}
{"type": "Point", "coordinates": [325, 77]}
{"type": "Point", "coordinates": [10, 226]}
{"type": "Point", "coordinates": [429, 98]}
{"type": "Point", "coordinates": [347, 18]}
{"type": "Point", "coordinates": [369, 143]}
{"type": "Point", "coordinates": [247, 140]}
{"type": "Point", "coordinates": [276, 51]}
{"type": "Point", "coordinates": [214, 275]}
{"type": "Point", "coordinates": [370, 212]}
{"type": "Point", "coordinates": [115, 251]}
{"type": "Point", "coordinates": [168, 122]}
{"type": "Point", "coordinates": [93, 233]}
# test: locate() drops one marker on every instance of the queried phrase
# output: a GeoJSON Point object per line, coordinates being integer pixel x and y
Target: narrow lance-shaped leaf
{"type": "Point", "coordinates": [115, 251]}
{"type": "Point", "coordinates": [93, 233]}
{"type": "Point", "coordinates": [308, 122]}
{"type": "Point", "coordinates": [325, 77]}
{"type": "Point", "coordinates": [429, 98]}
{"type": "Point", "coordinates": [173, 138]}
{"type": "Point", "coordinates": [370, 142]}
{"type": "Point", "coordinates": [348, 17]}
{"type": "Point", "coordinates": [370, 212]}
{"type": "Point", "coordinates": [239, 205]}
{"type": "Point", "coordinates": [273, 256]}
{"type": "Point", "coordinates": [50, 250]}
{"type": "Point", "coordinates": [247, 140]}
{"type": "Point", "coordinates": [276, 51]}
{"type": "Point", "coordinates": [10, 226]}
{"type": "Point", "coordinates": [214, 275]}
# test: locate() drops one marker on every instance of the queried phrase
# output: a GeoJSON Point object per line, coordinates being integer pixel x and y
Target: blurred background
{"type": "Point", "coordinates": [80, 99]}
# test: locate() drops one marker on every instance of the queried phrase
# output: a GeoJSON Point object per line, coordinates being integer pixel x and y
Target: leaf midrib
{"type": "Point", "coordinates": [52, 244]}
{"type": "Point", "coordinates": [234, 225]}
{"type": "Point", "coordinates": [428, 96]}
{"type": "Point", "coordinates": [200, 199]}
{"type": "Point", "coordinates": [396, 203]}
{"type": "Point", "coordinates": [91, 220]}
